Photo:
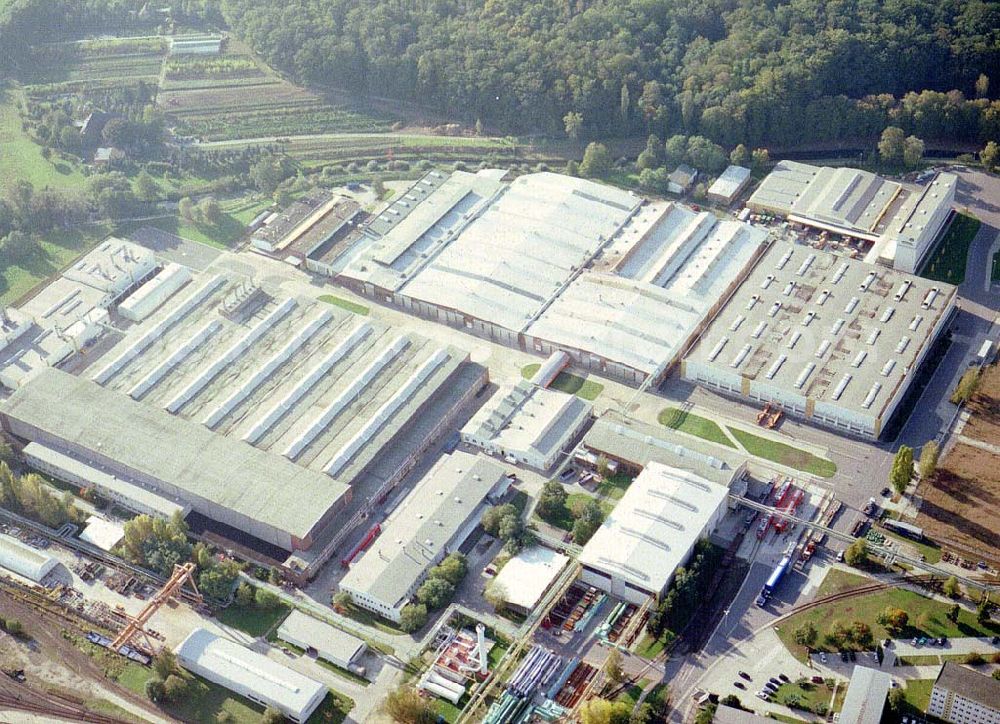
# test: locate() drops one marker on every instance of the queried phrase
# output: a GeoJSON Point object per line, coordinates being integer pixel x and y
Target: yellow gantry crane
{"type": "Point", "coordinates": [137, 624]}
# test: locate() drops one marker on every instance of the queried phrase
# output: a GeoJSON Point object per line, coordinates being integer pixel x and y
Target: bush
{"type": "Point", "coordinates": [155, 689]}
{"type": "Point", "coordinates": [975, 659]}
{"type": "Point", "coordinates": [174, 688]}
{"type": "Point", "coordinates": [266, 600]}
{"type": "Point", "coordinates": [435, 593]}
{"type": "Point", "coordinates": [245, 595]}
{"type": "Point", "coordinates": [412, 617]}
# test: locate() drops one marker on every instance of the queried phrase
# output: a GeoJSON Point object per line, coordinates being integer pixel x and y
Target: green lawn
{"type": "Point", "coordinates": [630, 695]}
{"type": "Point", "coordinates": [614, 487]}
{"type": "Point", "coordinates": [677, 419]}
{"type": "Point", "coordinates": [21, 157]}
{"type": "Point", "coordinates": [252, 620]}
{"type": "Point", "coordinates": [917, 695]}
{"type": "Point", "coordinates": [59, 248]}
{"type": "Point", "coordinates": [784, 454]}
{"type": "Point", "coordinates": [582, 387]}
{"type": "Point", "coordinates": [946, 263]}
{"type": "Point", "coordinates": [347, 304]}
{"type": "Point", "coordinates": [928, 549]}
{"type": "Point", "coordinates": [221, 236]}
{"type": "Point", "coordinates": [810, 697]}
{"type": "Point", "coordinates": [369, 619]}
{"type": "Point", "coordinates": [927, 617]}
{"type": "Point", "coordinates": [648, 647]}
{"type": "Point", "coordinates": [565, 519]}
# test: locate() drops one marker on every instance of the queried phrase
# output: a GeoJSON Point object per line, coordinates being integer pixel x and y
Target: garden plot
{"type": "Point", "coordinates": [99, 63]}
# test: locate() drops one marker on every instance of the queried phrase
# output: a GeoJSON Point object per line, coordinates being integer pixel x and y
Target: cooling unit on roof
{"type": "Point", "coordinates": [776, 366]}
{"type": "Point", "coordinates": [851, 305]}
{"type": "Point", "coordinates": [872, 394]}
{"type": "Point", "coordinates": [784, 260]}
{"type": "Point", "coordinates": [741, 355]}
{"type": "Point", "coordinates": [859, 358]}
{"type": "Point", "coordinates": [775, 308]}
{"type": "Point", "coordinates": [823, 296]}
{"type": "Point", "coordinates": [901, 347]}
{"type": "Point", "coordinates": [887, 367]}
{"type": "Point", "coordinates": [804, 375]}
{"type": "Point", "coordinates": [789, 288]}
{"type": "Point", "coordinates": [874, 336]}
{"type": "Point", "coordinates": [824, 346]}
{"type": "Point", "coordinates": [806, 264]}
{"type": "Point", "coordinates": [767, 281]}
{"type": "Point", "coordinates": [901, 292]}
{"type": "Point", "coordinates": [753, 300]}
{"type": "Point", "coordinates": [841, 271]}
{"type": "Point", "coordinates": [796, 336]}
{"type": "Point", "coordinates": [871, 277]}
{"type": "Point", "coordinates": [810, 316]}
{"type": "Point", "coordinates": [841, 386]}
{"type": "Point", "coordinates": [837, 326]}
{"type": "Point", "coordinates": [930, 297]}
{"type": "Point", "coordinates": [887, 314]}
{"type": "Point", "coordinates": [759, 330]}
{"type": "Point", "coordinates": [915, 322]}
{"type": "Point", "coordinates": [736, 323]}
{"type": "Point", "coordinates": [717, 349]}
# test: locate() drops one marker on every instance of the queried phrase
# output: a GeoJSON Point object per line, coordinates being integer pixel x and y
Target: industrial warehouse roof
{"type": "Point", "coordinates": [850, 200]}
{"type": "Point", "coordinates": [496, 251]}
{"type": "Point", "coordinates": [331, 643]}
{"type": "Point", "coordinates": [245, 670]}
{"type": "Point", "coordinates": [821, 326]}
{"type": "Point", "coordinates": [654, 526]}
{"type": "Point", "coordinates": [572, 262]}
{"type": "Point", "coordinates": [206, 466]}
{"type": "Point", "coordinates": [969, 684]}
{"type": "Point", "coordinates": [527, 417]}
{"type": "Point", "coordinates": [423, 524]}
{"type": "Point", "coordinates": [24, 560]}
{"type": "Point", "coordinates": [865, 696]}
{"type": "Point", "coordinates": [640, 444]}
{"type": "Point", "coordinates": [730, 182]}
{"type": "Point", "coordinates": [526, 577]}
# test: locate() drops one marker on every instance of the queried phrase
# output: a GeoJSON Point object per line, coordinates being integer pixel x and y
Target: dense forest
{"type": "Point", "coordinates": [760, 72]}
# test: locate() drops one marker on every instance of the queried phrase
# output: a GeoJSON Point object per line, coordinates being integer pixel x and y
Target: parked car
{"type": "Point", "coordinates": [763, 695]}
{"type": "Point", "coordinates": [567, 474]}
{"type": "Point", "coordinates": [886, 492]}
{"type": "Point", "coordinates": [745, 675]}
{"type": "Point", "coordinates": [822, 656]}
{"type": "Point", "coordinates": [783, 678]}
{"type": "Point", "coordinates": [740, 685]}
{"type": "Point", "coordinates": [817, 679]}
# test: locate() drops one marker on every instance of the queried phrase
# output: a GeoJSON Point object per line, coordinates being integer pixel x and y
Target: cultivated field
{"type": "Point", "coordinates": [961, 503]}
{"type": "Point", "coordinates": [71, 67]}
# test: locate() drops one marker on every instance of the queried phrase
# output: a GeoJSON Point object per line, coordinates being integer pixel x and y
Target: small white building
{"type": "Point", "coordinates": [729, 185]}
{"type": "Point", "coordinates": [250, 674]}
{"type": "Point", "coordinates": [331, 644]}
{"type": "Point", "coordinates": [433, 520]}
{"type": "Point", "coordinates": [651, 532]}
{"type": "Point", "coordinates": [681, 179]}
{"type": "Point", "coordinates": [527, 424]}
{"type": "Point", "coordinates": [866, 696]}
{"type": "Point", "coordinates": [526, 577]}
{"type": "Point", "coordinates": [105, 534]}
{"type": "Point", "coordinates": [24, 560]}
{"type": "Point", "coordinates": [147, 299]}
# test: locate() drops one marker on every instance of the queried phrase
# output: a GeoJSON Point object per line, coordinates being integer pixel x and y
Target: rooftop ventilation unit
{"type": "Point", "coordinates": [804, 375]}
{"type": "Point", "coordinates": [887, 314]}
{"type": "Point", "coordinates": [823, 348]}
{"type": "Point", "coordinates": [823, 296]}
{"type": "Point", "coordinates": [784, 260]}
{"type": "Point", "coordinates": [776, 366]}
{"type": "Point", "coordinates": [903, 343]}
{"type": "Point", "coordinates": [796, 336]}
{"type": "Point", "coordinates": [717, 349]}
{"type": "Point", "coordinates": [810, 316]}
{"type": "Point", "coordinates": [741, 355]}
{"type": "Point", "coordinates": [775, 308]}
{"type": "Point", "coordinates": [837, 326]}
{"type": "Point", "coordinates": [874, 336]}
{"type": "Point", "coordinates": [841, 386]}
{"type": "Point", "coordinates": [753, 300]}
{"type": "Point", "coordinates": [859, 358]}
{"type": "Point", "coordinates": [736, 323]}
{"type": "Point", "coordinates": [869, 279]}
{"type": "Point", "coordinates": [872, 394]}
{"type": "Point", "coordinates": [806, 264]}
{"type": "Point", "coordinates": [915, 322]}
{"type": "Point", "coordinates": [929, 298]}
{"type": "Point", "coordinates": [767, 281]}
{"type": "Point", "coordinates": [759, 330]}
{"type": "Point", "coordinates": [887, 367]}
{"type": "Point", "coordinates": [852, 305]}
{"type": "Point", "coordinates": [903, 289]}
{"type": "Point", "coordinates": [789, 288]}
{"type": "Point", "coordinates": [841, 271]}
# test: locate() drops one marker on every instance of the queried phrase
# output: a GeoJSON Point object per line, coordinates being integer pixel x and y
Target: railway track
{"type": "Point", "coordinates": [851, 593]}
{"type": "Point", "coordinates": [21, 697]}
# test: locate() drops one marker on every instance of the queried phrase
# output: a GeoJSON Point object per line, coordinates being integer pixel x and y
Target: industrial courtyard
{"type": "Point", "coordinates": [481, 439]}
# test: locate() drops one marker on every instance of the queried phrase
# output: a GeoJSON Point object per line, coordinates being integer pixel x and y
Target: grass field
{"type": "Point", "coordinates": [946, 263]}
{"type": "Point", "coordinates": [565, 519]}
{"type": "Point", "coordinates": [21, 157]}
{"type": "Point", "coordinates": [810, 696]}
{"type": "Point", "coordinates": [369, 619]}
{"type": "Point", "coordinates": [927, 617]}
{"type": "Point", "coordinates": [784, 454]}
{"type": "Point", "coordinates": [582, 387]}
{"type": "Point", "coordinates": [677, 419]}
{"type": "Point", "coordinates": [60, 248]}
{"type": "Point", "coordinates": [929, 550]}
{"type": "Point", "coordinates": [252, 620]}
{"type": "Point", "coordinates": [917, 695]}
{"type": "Point", "coordinates": [614, 487]}
{"type": "Point", "coordinates": [345, 304]}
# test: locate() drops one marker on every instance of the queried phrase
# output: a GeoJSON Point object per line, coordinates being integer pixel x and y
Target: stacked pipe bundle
{"type": "Point", "coordinates": [536, 669]}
